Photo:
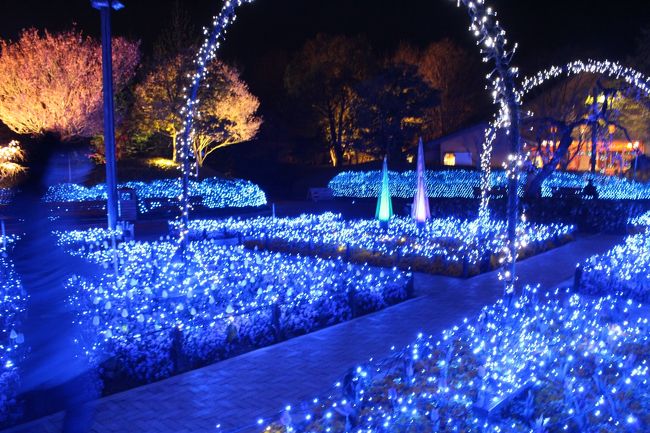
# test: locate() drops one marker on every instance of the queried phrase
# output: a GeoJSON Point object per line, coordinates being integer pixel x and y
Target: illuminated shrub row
{"type": "Point", "coordinates": [555, 365]}
{"type": "Point", "coordinates": [625, 269]}
{"type": "Point", "coordinates": [160, 317]}
{"type": "Point", "coordinates": [641, 222]}
{"type": "Point", "coordinates": [12, 306]}
{"type": "Point", "coordinates": [448, 246]}
{"type": "Point", "coordinates": [5, 196]}
{"type": "Point", "coordinates": [462, 183]}
{"type": "Point", "coordinates": [212, 193]}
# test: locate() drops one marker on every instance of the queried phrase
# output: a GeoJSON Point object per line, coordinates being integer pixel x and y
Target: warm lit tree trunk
{"type": "Point", "coordinates": [336, 150]}
{"type": "Point", "coordinates": [174, 136]}
{"type": "Point", "coordinates": [534, 188]}
{"type": "Point", "coordinates": [594, 146]}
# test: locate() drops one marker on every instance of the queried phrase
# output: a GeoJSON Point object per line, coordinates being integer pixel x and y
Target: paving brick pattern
{"type": "Point", "coordinates": [236, 392]}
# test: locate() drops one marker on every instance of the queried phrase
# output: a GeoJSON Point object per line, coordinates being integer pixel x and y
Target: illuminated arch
{"type": "Point", "coordinates": [607, 68]}
{"type": "Point", "coordinates": [493, 46]}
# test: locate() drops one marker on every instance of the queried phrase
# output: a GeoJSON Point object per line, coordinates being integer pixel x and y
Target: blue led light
{"type": "Point", "coordinates": [462, 184]}
{"type": "Point", "coordinates": [537, 365]}
{"type": "Point", "coordinates": [230, 297]}
{"type": "Point", "coordinates": [624, 270]}
{"type": "Point", "coordinates": [12, 308]}
{"type": "Point", "coordinates": [438, 246]}
{"type": "Point", "coordinates": [212, 193]}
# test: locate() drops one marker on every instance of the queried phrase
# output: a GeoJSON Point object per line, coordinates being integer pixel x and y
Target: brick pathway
{"type": "Point", "coordinates": [237, 391]}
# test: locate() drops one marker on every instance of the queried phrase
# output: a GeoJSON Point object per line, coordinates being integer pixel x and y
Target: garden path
{"type": "Point", "coordinates": [237, 391]}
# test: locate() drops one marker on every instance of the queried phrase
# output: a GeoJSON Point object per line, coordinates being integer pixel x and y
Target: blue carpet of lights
{"type": "Point", "coordinates": [625, 269]}
{"type": "Point", "coordinates": [6, 195]}
{"type": "Point", "coordinates": [157, 313]}
{"type": "Point", "coordinates": [12, 307]}
{"type": "Point", "coordinates": [462, 184]}
{"type": "Point", "coordinates": [448, 246]}
{"type": "Point", "coordinates": [562, 363]}
{"type": "Point", "coordinates": [641, 222]}
{"type": "Point", "coordinates": [211, 193]}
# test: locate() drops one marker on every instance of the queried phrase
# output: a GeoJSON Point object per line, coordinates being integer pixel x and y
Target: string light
{"type": "Point", "coordinates": [641, 222]}
{"type": "Point", "coordinates": [13, 302]}
{"type": "Point", "coordinates": [484, 26]}
{"type": "Point", "coordinates": [211, 193]}
{"type": "Point", "coordinates": [465, 184]}
{"type": "Point", "coordinates": [558, 363]}
{"type": "Point", "coordinates": [445, 246]}
{"type": "Point", "coordinates": [235, 298]}
{"type": "Point", "coordinates": [624, 270]}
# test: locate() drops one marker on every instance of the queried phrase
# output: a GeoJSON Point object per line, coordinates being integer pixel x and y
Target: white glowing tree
{"type": "Point", "coordinates": [420, 210]}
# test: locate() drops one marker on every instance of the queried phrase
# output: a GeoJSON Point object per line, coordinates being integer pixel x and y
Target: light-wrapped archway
{"type": "Point", "coordinates": [493, 47]}
{"type": "Point", "coordinates": [608, 68]}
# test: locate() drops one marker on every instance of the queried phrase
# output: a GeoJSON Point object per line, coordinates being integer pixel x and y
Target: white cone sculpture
{"type": "Point", "coordinates": [420, 209]}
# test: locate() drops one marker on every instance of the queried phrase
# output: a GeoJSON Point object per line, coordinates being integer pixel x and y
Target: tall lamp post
{"type": "Point", "coordinates": [104, 7]}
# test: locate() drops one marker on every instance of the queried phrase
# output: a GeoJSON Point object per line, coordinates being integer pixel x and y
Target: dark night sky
{"type": "Point", "coordinates": [546, 29]}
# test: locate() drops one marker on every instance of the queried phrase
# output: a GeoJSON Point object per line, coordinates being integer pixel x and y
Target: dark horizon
{"type": "Point", "coordinates": [595, 28]}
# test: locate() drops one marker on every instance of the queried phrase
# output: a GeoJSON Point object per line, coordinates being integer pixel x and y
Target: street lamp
{"type": "Point", "coordinates": [105, 6]}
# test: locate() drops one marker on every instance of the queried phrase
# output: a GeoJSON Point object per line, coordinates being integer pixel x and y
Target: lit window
{"type": "Point", "coordinates": [450, 159]}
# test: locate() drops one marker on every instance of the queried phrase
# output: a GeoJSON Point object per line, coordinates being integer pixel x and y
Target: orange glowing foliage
{"type": "Point", "coordinates": [52, 83]}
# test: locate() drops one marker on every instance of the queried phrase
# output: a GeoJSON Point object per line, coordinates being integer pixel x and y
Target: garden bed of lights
{"type": "Point", "coordinates": [623, 270]}
{"type": "Point", "coordinates": [561, 364]}
{"type": "Point", "coordinates": [160, 317]}
{"type": "Point", "coordinates": [464, 184]}
{"type": "Point", "coordinates": [640, 223]}
{"type": "Point", "coordinates": [12, 307]}
{"type": "Point", "coordinates": [593, 216]}
{"type": "Point", "coordinates": [443, 246]}
{"type": "Point", "coordinates": [6, 195]}
{"type": "Point", "coordinates": [211, 193]}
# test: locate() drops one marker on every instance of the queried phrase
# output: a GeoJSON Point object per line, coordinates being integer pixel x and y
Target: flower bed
{"type": "Point", "coordinates": [212, 193]}
{"type": "Point", "coordinates": [12, 306]}
{"type": "Point", "coordinates": [560, 365]}
{"type": "Point", "coordinates": [160, 317]}
{"type": "Point", "coordinates": [444, 246]}
{"type": "Point", "coordinates": [640, 223]}
{"type": "Point", "coordinates": [462, 184]}
{"type": "Point", "coordinates": [625, 270]}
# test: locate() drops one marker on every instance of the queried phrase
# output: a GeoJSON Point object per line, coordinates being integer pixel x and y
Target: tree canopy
{"type": "Point", "coordinates": [51, 83]}
{"type": "Point", "coordinates": [227, 109]}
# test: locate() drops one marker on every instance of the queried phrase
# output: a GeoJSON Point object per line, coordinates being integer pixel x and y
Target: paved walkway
{"type": "Point", "coordinates": [235, 392]}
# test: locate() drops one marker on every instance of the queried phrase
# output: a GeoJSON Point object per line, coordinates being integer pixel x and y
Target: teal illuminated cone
{"type": "Point", "coordinates": [384, 204]}
{"type": "Point", "coordinates": [420, 210]}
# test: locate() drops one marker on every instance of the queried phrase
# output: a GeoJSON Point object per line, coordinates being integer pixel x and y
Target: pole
{"type": "Point", "coordinates": [109, 110]}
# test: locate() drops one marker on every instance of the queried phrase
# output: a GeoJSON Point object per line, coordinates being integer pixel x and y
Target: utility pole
{"type": "Point", "coordinates": [104, 7]}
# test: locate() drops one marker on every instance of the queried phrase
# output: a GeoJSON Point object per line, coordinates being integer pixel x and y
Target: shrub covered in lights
{"type": "Point", "coordinates": [12, 306]}
{"type": "Point", "coordinates": [157, 317]}
{"type": "Point", "coordinates": [442, 246]}
{"type": "Point", "coordinates": [6, 195]}
{"type": "Point", "coordinates": [462, 184]}
{"type": "Point", "coordinates": [640, 223]}
{"type": "Point", "coordinates": [212, 193]}
{"type": "Point", "coordinates": [563, 364]}
{"type": "Point", "coordinates": [625, 269]}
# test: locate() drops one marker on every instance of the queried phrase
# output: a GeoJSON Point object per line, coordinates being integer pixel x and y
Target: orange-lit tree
{"type": "Point", "coordinates": [51, 83]}
{"type": "Point", "coordinates": [11, 155]}
{"type": "Point", "coordinates": [456, 73]}
{"type": "Point", "coordinates": [228, 110]}
{"type": "Point", "coordinates": [322, 79]}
